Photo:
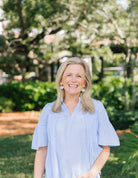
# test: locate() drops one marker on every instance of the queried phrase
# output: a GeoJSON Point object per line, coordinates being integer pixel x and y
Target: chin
{"type": "Point", "coordinates": [74, 93]}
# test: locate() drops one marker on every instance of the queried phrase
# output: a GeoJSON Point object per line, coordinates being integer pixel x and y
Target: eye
{"type": "Point", "coordinates": [79, 76]}
{"type": "Point", "coordinates": [68, 75]}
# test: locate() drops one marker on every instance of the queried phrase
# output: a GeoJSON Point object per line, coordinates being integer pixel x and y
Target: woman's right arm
{"type": "Point", "coordinates": [39, 164]}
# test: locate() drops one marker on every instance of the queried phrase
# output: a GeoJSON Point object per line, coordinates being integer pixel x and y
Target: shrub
{"type": "Point", "coordinates": [34, 95]}
{"type": "Point", "coordinates": [111, 92]}
{"type": "Point", "coordinates": [6, 104]}
{"type": "Point", "coordinates": [122, 119]}
{"type": "Point", "coordinates": [29, 95]}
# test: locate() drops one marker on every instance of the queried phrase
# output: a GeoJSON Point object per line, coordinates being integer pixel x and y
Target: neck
{"type": "Point", "coordinates": [71, 102]}
{"type": "Point", "coordinates": [71, 99]}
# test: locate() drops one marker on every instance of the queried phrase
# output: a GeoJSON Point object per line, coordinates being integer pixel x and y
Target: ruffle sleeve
{"type": "Point", "coordinates": [106, 133]}
{"type": "Point", "coordinates": [40, 138]}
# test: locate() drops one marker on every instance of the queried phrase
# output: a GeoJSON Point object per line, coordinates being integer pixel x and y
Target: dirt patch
{"type": "Point", "coordinates": [121, 132]}
{"type": "Point", "coordinates": [18, 123]}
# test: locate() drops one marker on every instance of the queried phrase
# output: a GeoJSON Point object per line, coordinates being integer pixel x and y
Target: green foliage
{"type": "Point", "coordinates": [6, 104]}
{"type": "Point", "coordinates": [23, 35]}
{"type": "Point", "coordinates": [39, 10]}
{"type": "Point", "coordinates": [134, 128]}
{"type": "Point", "coordinates": [129, 151]}
{"type": "Point", "coordinates": [122, 119]}
{"type": "Point", "coordinates": [3, 45]}
{"type": "Point", "coordinates": [29, 95]}
{"type": "Point", "coordinates": [89, 29]}
{"type": "Point", "coordinates": [111, 92]}
{"type": "Point", "coordinates": [10, 62]}
{"type": "Point", "coordinates": [34, 95]}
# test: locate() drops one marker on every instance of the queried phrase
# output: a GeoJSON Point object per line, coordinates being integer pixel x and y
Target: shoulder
{"type": "Point", "coordinates": [47, 107]}
{"type": "Point", "coordinates": [46, 110]}
{"type": "Point", "coordinates": [96, 102]}
{"type": "Point", "coordinates": [99, 106]}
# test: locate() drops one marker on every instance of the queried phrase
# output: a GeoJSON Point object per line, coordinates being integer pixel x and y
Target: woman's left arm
{"type": "Point", "coordinates": [98, 164]}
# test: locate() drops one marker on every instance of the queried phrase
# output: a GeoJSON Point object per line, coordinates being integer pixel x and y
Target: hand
{"type": "Point", "coordinates": [87, 175]}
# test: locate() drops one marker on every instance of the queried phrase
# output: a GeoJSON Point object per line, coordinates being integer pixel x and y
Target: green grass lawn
{"type": "Point", "coordinates": [17, 158]}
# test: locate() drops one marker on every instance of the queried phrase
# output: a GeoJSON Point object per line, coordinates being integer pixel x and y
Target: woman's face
{"type": "Point", "coordinates": [73, 80]}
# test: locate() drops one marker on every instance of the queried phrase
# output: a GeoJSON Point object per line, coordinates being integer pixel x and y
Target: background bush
{"type": "Point", "coordinates": [34, 95]}
{"type": "Point", "coordinates": [29, 95]}
{"type": "Point", "coordinates": [6, 104]}
{"type": "Point", "coordinates": [111, 92]}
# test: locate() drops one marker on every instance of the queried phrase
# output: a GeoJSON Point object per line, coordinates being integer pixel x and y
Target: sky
{"type": "Point", "coordinates": [122, 2]}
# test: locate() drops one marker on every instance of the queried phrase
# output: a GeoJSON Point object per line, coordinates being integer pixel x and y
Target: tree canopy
{"type": "Point", "coordinates": [84, 27]}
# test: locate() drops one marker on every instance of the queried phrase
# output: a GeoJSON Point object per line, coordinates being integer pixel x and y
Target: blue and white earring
{"type": "Point", "coordinates": [61, 87]}
{"type": "Point", "coordinates": [83, 90]}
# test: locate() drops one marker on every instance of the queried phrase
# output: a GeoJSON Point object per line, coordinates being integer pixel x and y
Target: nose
{"type": "Point", "coordinates": [73, 79]}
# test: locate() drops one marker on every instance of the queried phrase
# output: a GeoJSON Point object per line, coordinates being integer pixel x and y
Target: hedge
{"type": "Point", "coordinates": [34, 95]}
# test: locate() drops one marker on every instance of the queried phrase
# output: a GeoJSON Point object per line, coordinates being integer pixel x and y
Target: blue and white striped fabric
{"type": "Point", "coordinates": [73, 140]}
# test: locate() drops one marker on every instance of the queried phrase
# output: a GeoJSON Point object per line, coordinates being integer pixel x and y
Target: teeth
{"type": "Point", "coordinates": [73, 86]}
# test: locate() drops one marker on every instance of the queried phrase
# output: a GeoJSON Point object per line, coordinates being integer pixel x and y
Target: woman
{"type": "Point", "coordinates": [73, 135]}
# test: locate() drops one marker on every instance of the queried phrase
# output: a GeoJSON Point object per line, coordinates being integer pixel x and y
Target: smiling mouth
{"type": "Point", "coordinates": [73, 86]}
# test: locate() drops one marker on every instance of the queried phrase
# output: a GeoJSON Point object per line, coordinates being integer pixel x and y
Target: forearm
{"type": "Point", "coordinates": [100, 161]}
{"type": "Point", "coordinates": [39, 164]}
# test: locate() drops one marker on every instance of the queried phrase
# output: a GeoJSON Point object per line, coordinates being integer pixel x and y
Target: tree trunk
{"type": "Point", "coordinates": [101, 74]}
{"type": "Point", "coordinates": [129, 68]}
{"type": "Point", "coordinates": [52, 72]}
{"type": "Point", "coordinates": [133, 99]}
{"type": "Point", "coordinates": [126, 79]}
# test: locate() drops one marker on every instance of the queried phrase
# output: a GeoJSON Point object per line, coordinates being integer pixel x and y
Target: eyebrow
{"type": "Point", "coordinates": [72, 73]}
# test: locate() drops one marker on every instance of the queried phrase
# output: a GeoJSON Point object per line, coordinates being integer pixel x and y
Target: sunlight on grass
{"type": "Point", "coordinates": [17, 159]}
{"type": "Point", "coordinates": [113, 167]}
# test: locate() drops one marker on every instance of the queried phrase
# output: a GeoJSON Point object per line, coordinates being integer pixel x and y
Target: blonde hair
{"type": "Point", "coordinates": [86, 101]}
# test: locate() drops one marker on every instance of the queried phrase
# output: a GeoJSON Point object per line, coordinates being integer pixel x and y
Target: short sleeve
{"type": "Point", "coordinates": [40, 138]}
{"type": "Point", "coordinates": [106, 133]}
